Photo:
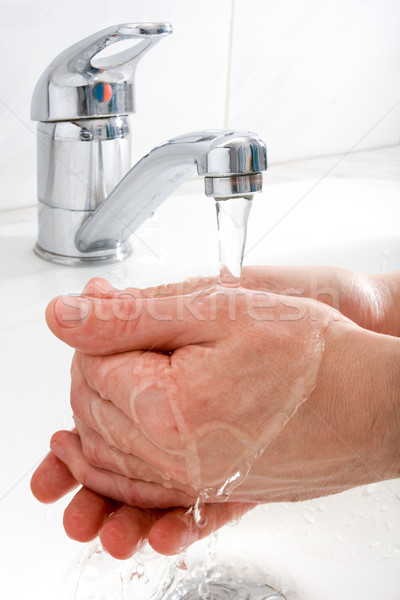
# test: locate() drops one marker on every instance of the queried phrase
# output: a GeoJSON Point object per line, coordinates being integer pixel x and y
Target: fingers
{"type": "Point", "coordinates": [52, 480]}
{"type": "Point", "coordinates": [125, 532]}
{"type": "Point", "coordinates": [109, 325]}
{"type": "Point", "coordinates": [318, 282]}
{"type": "Point", "coordinates": [86, 514]}
{"type": "Point", "coordinates": [275, 279]}
{"type": "Point", "coordinates": [105, 320]}
{"type": "Point", "coordinates": [321, 283]}
{"type": "Point", "coordinates": [177, 529]}
{"type": "Point", "coordinates": [138, 385]}
{"type": "Point", "coordinates": [98, 454]}
{"type": "Point", "coordinates": [101, 288]}
{"type": "Point", "coordinates": [97, 287]}
{"type": "Point", "coordinates": [68, 448]}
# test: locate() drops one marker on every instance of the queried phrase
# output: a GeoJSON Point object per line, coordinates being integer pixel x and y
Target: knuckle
{"type": "Point", "coordinates": [75, 403]}
{"type": "Point", "coordinates": [129, 443]}
{"type": "Point", "coordinates": [93, 369]}
{"type": "Point", "coordinates": [133, 494]}
{"type": "Point", "coordinates": [96, 286]}
{"type": "Point", "coordinates": [91, 454]}
{"type": "Point", "coordinates": [92, 284]}
{"type": "Point", "coordinates": [103, 373]}
{"type": "Point", "coordinates": [81, 474]}
{"type": "Point", "coordinates": [126, 312]}
{"type": "Point", "coordinates": [108, 375]}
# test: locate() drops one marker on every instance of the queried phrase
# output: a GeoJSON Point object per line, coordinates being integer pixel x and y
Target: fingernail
{"type": "Point", "coordinates": [72, 311]}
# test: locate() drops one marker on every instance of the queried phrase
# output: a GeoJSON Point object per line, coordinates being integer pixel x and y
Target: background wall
{"type": "Point", "coordinates": [311, 77]}
{"type": "Point", "coordinates": [316, 77]}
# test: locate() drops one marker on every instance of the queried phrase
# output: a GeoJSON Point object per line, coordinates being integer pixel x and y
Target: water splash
{"type": "Point", "coordinates": [226, 588]}
{"type": "Point", "coordinates": [199, 515]}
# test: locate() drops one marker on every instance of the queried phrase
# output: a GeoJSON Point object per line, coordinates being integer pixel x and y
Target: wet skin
{"type": "Point", "coordinates": [289, 469]}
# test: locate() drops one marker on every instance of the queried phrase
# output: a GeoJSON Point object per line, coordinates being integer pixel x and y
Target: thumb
{"type": "Point", "coordinates": [130, 322]}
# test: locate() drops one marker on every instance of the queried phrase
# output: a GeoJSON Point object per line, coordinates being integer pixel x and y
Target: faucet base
{"type": "Point", "coordinates": [73, 261]}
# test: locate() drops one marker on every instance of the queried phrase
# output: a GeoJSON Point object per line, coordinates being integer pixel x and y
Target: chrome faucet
{"type": "Point", "coordinates": [90, 203]}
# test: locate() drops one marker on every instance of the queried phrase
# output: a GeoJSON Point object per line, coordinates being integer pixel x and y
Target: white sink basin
{"type": "Point", "coordinates": [345, 546]}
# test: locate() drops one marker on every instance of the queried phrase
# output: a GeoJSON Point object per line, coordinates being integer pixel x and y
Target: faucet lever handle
{"type": "Point", "coordinates": [80, 83]}
{"type": "Point", "coordinates": [146, 34]}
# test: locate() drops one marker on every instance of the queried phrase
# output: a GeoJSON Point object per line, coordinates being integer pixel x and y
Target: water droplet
{"type": "Point", "coordinates": [234, 523]}
{"type": "Point", "coordinates": [181, 564]}
{"type": "Point", "coordinates": [308, 518]}
{"type": "Point", "coordinates": [395, 552]}
{"type": "Point", "coordinates": [338, 538]}
{"type": "Point", "coordinates": [204, 591]}
{"type": "Point", "coordinates": [226, 488]}
{"type": "Point", "coordinates": [199, 514]}
{"type": "Point", "coordinates": [369, 489]}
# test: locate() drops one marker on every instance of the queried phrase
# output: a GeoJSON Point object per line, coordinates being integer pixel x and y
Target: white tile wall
{"type": "Point", "coordinates": [181, 84]}
{"type": "Point", "coordinates": [311, 77]}
{"type": "Point", "coordinates": [316, 77]}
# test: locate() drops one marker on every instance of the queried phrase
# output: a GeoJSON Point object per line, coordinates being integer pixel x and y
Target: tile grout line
{"type": "Point", "coordinates": [229, 65]}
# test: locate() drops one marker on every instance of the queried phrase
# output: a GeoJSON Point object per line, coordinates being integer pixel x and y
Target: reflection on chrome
{"type": "Point", "coordinates": [89, 200]}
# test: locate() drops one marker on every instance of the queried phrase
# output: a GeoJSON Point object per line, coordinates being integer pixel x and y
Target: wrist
{"type": "Point", "coordinates": [359, 388]}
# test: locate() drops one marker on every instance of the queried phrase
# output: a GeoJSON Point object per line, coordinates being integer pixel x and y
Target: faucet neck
{"type": "Point", "coordinates": [82, 218]}
{"type": "Point", "coordinates": [231, 160]}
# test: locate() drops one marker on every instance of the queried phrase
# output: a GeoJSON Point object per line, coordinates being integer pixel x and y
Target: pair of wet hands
{"type": "Point", "coordinates": [194, 389]}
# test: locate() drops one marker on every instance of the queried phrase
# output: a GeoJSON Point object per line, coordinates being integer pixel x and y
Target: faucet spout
{"type": "Point", "coordinates": [89, 202]}
{"type": "Point", "coordinates": [231, 162]}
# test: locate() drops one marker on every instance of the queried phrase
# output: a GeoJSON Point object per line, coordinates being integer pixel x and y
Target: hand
{"type": "Point", "coordinates": [241, 364]}
{"type": "Point", "coordinates": [123, 529]}
{"type": "Point", "coordinates": [370, 301]}
{"type": "Point", "coordinates": [151, 458]}
{"type": "Point", "coordinates": [307, 288]}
